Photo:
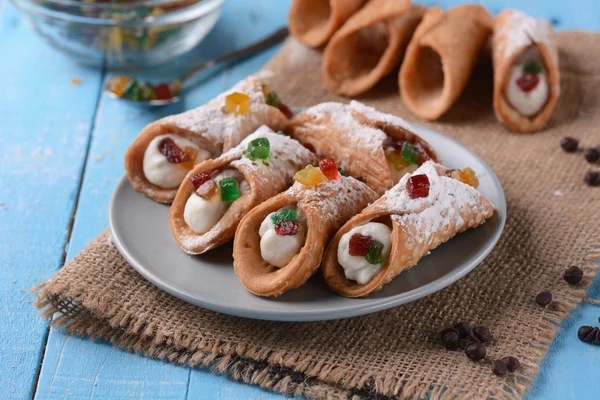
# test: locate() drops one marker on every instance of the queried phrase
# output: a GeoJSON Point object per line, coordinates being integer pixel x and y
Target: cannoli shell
{"type": "Point", "coordinates": [313, 22]}
{"type": "Point", "coordinates": [353, 136]}
{"type": "Point", "coordinates": [441, 56]}
{"type": "Point", "coordinates": [369, 45]}
{"type": "Point", "coordinates": [514, 33]}
{"type": "Point", "coordinates": [415, 232]}
{"type": "Point", "coordinates": [209, 126]}
{"type": "Point", "coordinates": [326, 207]}
{"type": "Point", "coordinates": [265, 179]}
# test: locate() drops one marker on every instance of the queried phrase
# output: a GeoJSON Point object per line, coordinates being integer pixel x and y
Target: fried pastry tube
{"type": "Point", "coordinates": [441, 56]}
{"type": "Point", "coordinates": [421, 212]}
{"type": "Point", "coordinates": [166, 150]}
{"type": "Point", "coordinates": [526, 73]}
{"type": "Point", "coordinates": [376, 147]}
{"type": "Point", "coordinates": [369, 46]}
{"type": "Point", "coordinates": [279, 244]}
{"type": "Point", "coordinates": [217, 193]}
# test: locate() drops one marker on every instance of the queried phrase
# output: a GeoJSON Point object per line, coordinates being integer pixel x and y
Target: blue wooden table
{"type": "Point", "coordinates": [61, 151]}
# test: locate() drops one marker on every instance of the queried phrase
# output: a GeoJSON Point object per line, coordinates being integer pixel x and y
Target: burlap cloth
{"type": "Point", "coordinates": [553, 222]}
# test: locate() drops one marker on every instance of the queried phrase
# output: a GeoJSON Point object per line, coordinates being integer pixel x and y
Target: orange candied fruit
{"type": "Point", "coordinates": [118, 84]}
{"type": "Point", "coordinates": [310, 176]}
{"type": "Point", "coordinates": [237, 103]}
{"type": "Point", "coordinates": [265, 90]}
{"type": "Point", "coordinates": [395, 158]}
{"type": "Point", "coordinates": [191, 153]}
{"type": "Point", "coordinates": [468, 176]}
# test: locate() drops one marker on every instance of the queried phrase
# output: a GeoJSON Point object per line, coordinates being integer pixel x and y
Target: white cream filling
{"type": "Point", "coordinates": [358, 268]}
{"type": "Point", "coordinates": [279, 250]}
{"type": "Point", "coordinates": [397, 175]}
{"type": "Point", "coordinates": [527, 103]}
{"type": "Point", "coordinates": [159, 171]}
{"type": "Point", "coordinates": [200, 214]}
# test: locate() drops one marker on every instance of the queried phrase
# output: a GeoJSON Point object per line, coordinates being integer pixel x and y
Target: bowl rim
{"type": "Point", "coordinates": [193, 11]}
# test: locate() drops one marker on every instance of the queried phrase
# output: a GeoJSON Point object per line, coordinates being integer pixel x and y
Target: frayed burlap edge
{"type": "Point", "coordinates": [289, 376]}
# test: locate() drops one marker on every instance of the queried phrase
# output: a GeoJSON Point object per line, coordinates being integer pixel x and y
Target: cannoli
{"type": "Point", "coordinates": [526, 75]}
{"type": "Point", "coordinates": [369, 45]}
{"type": "Point", "coordinates": [217, 193]}
{"type": "Point", "coordinates": [441, 56]}
{"type": "Point", "coordinates": [280, 243]}
{"type": "Point", "coordinates": [313, 22]}
{"type": "Point", "coordinates": [166, 150]}
{"type": "Point", "coordinates": [424, 210]}
{"type": "Point", "coordinates": [375, 147]}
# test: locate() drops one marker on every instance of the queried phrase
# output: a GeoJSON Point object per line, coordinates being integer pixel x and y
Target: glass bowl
{"type": "Point", "coordinates": [122, 33]}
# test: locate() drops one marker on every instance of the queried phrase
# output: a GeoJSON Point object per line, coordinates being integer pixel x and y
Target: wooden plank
{"type": "Point", "coordinates": [45, 122]}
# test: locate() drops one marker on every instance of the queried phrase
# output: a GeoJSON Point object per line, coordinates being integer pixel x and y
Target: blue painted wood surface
{"type": "Point", "coordinates": [48, 180]}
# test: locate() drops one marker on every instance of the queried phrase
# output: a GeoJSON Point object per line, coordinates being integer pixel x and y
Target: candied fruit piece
{"type": "Point", "coordinates": [374, 252]}
{"type": "Point", "coordinates": [286, 111]}
{"type": "Point", "coordinates": [532, 67]}
{"type": "Point", "coordinates": [230, 190]}
{"type": "Point", "coordinates": [418, 186]}
{"type": "Point", "coordinates": [396, 159]}
{"type": "Point", "coordinates": [199, 178]}
{"type": "Point", "coordinates": [285, 214]}
{"type": "Point", "coordinates": [310, 176]}
{"type": "Point", "coordinates": [237, 103]}
{"type": "Point", "coordinates": [147, 92]}
{"type": "Point", "coordinates": [208, 189]}
{"type": "Point", "coordinates": [265, 90]}
{"type": "Point", "coordinates": [397, 144]}
{"type": "Point", "coordinates": [342, 172]}
{"type": "Point", "coordinates": [423, 155]}
{"type": "Point", "coordinates": [163, 91]}
{"type": "Point", "coordinates": [133, 90]}
{"type": "Point", "coordinates": [191, 153]}
{"type": "Point", "coordinates": [272, 99]}
{"type": "Point", "coordinates": [359, 245]}
{"type": "Point", "coordinates": [468, 177]}
{"type": "Point", "coordinates": [118, 84]}
{"type": "Point", "coordinates": [175, 87]}
{"type": "Point", "coordinates": [528, 81]}
{"type": "Point", "coordinates": [286, 228]}
{"type": "Point", "coordinates": [309, 147]}
{"type": "Point", "coordinates": [258, 149]}
{"type": "Point", "coordinates": [329, 168]}
{"type": "Point", "coordinates": [410, 153]}
{"type": "Point", "coordinates": [172, 152]}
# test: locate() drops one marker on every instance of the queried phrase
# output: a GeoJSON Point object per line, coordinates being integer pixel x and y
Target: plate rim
{"type": "Point", "coordinates": [323, 315]}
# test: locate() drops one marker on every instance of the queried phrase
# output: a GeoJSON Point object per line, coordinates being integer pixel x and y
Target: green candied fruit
{"type": "Point", "coordinates": [133, 90]}
{"type": "Point", "coordinates": [286, 214]}
{"type": "Point", "coordinates": [410, 153]}
{"type": "Point", "coordinates": [532, 66]}
{"type": "Point", "coordinates": [147, 92]}
{"type": "Point", "coordinates": [258, 149]}
{"type": "Point", "coordinates": [342, 172]}
{"type": "Point", "coordinates": [374, 253]}
{"type": "Point", "coordinates": [272, 99]}
{"type": "Point", "coordinates": [229, 189]}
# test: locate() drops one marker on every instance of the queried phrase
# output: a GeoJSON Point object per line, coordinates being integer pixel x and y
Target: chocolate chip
{"type": "Point", "coordinates": [499, 368]}
{"type": "Point", "coordinates": [482, 334]}
{"type": "Point", "coordinates": [569, 144]}
{"type": "Point", "coordinates": [573, 275]}
{"type": "Point", "coordinates": [592, 155]}
{"type": "Point", "coordinates": [543, 298]}
{"type": "Point", "coordinates": [450, 338]}
{"type": "Point", "coordinates": [463, 328]}
{"type": "Point", "coordinates": [475, 351]}
{"type": "Point", "coordinates": [587, 333]}
{"type": "Point", "coordinates": [512, 363]}
{"type": "Point", "coordinates": [592, 178]}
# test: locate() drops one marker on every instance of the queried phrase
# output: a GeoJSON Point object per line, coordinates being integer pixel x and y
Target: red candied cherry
{"type": "Point", "coordinates": [286, 111]}
{"type": "Point", "coordinates": [163, 91]}
{"type": "Point", "coordinates": [528, 81]}
{"type": "Point", "coordinates": [359, 245]}
{"type": "Point", "coordinates": [418, 186]}
{"type": "Point", "coordinates": [286, 228]}
{"type": "Point", "coordinates": [329, 168]}
{"type": "Point", "coordinates": [198, 179]}
{"type": "Point", "coordinates": [173, 153]}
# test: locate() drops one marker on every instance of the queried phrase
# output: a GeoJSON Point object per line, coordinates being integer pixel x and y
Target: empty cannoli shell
{"type": "Point", "coordinates": [266, 179]}
{"type": "Point", "coordinates": [313, 22]}
{"type": "Point", "coordinates": [369, 45]}
{"type": "Point", "coordinates": [514, 33]}
{"type": "Point", "coordinates": [441, 56]}
{"type": "Point", "coordinates": [326, 207]}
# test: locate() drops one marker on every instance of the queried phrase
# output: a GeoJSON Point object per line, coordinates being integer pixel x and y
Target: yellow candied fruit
{"type": "Point", "coordinates": [237, 103]}
{"type": "Point", "coordinates": [265, 90]}
{"type": "Point", "coordinates": [118, 84]}
{"type": "Point", "coordinates": [468, 177]}
{"type": "Point", "coordinates": [310, 176]}
{"type": "Point", "coordinates": [192, 153]}
{"type": "Point", "coordinates": [395, 158]}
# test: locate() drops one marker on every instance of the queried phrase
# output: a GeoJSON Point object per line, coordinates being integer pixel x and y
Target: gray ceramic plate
{"type": "Point", "coordinates": [140, 230]}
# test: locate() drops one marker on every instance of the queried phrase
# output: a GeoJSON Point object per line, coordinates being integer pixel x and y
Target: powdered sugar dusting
{"type": "Point", "coordinates": [521, 31]}
{"type": "Point", "coordinates": [374, 114]}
